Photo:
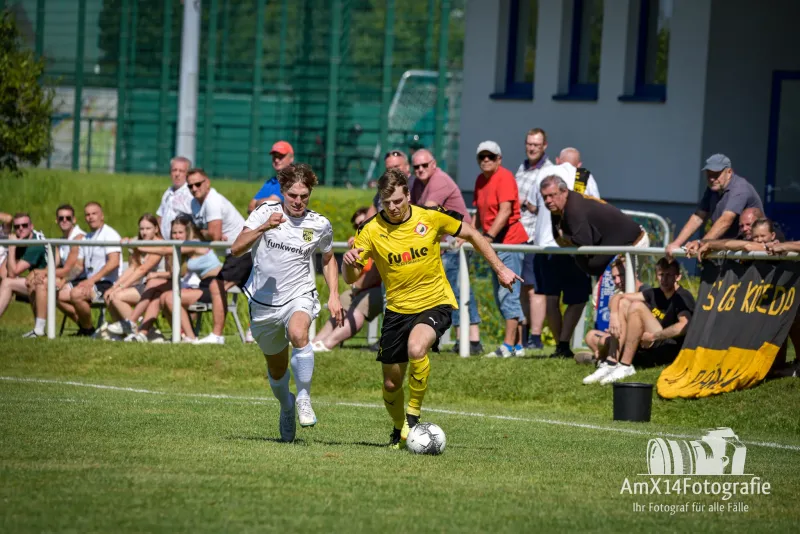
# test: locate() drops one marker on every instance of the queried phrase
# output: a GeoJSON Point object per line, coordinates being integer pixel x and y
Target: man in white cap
{"type": "Point", "coordinates": [498, 219]}
{"type": "Point", "coordinates": [726, 196]}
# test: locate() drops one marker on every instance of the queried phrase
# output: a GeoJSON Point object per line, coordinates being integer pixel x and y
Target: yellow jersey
{"type": "Point", "coordinates": [407, 257]}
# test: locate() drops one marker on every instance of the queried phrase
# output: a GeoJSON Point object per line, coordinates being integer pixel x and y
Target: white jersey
{"type": "Point", "coordinates": [544, 222]}
{"type": "Point", "coordinates": [281, 257]}
{"type": "Point", "coordinates": [174, 202]}
{"type": "Point", "coordinates": [63, 250]}
{"type": "Point", "coordinates": [217, 207]}
{"type": "Point", "coordinates": [94, 258]}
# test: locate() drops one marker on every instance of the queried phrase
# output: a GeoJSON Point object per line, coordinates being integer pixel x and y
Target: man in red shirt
{"type": "Point", "coordinates": [498, 218]}
{"type": "Point", "coordinates": [434, 187]}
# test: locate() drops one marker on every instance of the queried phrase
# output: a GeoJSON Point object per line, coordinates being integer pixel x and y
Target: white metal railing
{"type": "Point", "coordinates": [463, 276]}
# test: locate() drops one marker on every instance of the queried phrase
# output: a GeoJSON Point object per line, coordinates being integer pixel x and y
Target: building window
{"type": "Point", "coordinates": [522, 48]}
{"type": "Point", "coordinates": [587, 34]}
{"type": "Point", "coordinates": [653, 49]}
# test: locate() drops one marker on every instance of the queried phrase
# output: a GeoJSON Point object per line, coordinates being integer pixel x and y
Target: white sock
{"type": "Point", "coordinates": [39, 325]}
{"type": "Point", "coordinates": [280, 388]}
{"type": "Point", "coordinates": [302, 369]}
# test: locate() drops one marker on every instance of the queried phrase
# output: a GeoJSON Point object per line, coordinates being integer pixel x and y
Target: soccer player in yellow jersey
{"type": "Point", "coordinates": [403, 241]}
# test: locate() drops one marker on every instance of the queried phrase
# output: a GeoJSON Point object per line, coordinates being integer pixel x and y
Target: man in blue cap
{"type": "Point", "coordinates": [726, 196]}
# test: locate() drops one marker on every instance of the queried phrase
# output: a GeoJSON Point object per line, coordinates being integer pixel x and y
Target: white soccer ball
{"type": "Point", "coordinates": [426, 438]}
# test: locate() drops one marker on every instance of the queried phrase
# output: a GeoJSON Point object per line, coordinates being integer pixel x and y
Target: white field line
{"type": "Point", "coordinates": [571, 424]}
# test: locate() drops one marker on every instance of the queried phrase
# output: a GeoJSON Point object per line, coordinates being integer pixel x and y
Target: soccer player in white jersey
{"type": "Point", "coordinates": [282, 291]}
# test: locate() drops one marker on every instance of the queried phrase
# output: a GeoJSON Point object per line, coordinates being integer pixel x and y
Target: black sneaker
{"type": "Point", "coordinates": [85, 332]}
{"type": "Point", "coordinates": [394, 439]}
{"type": "Point", "coordinates": [562, 352]}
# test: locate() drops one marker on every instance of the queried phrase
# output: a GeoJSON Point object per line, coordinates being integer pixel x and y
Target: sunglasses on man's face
{"type": "Point", "coordinates": [64, 218]}
{"type": "Point", "coordinates": [195, 185]}
{"type": "Point", "coordinates": [422, 165]}
{"type": "Point", "coordinates": [21, 226]}
{"type": "Point", "coordinates": [491, 157]}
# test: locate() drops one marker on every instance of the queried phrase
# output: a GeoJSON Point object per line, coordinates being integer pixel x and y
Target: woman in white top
{"type": "Point", "coordinates": [66, 271]}
{"type": "Point", "coordinates": [128, 289]}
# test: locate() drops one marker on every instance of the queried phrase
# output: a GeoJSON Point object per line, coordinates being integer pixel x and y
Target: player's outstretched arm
{"type": "Point", "coordinates": [505, 276]}
{"type": "Point", "coordinates": [351, 265]}
{"type": "Point", "coordinates": [330, 270]}
{"type": "Point", "coordinates": [244, 242]}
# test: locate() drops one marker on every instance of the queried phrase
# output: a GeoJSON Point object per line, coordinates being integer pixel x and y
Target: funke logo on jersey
{"type": "Point", "coordinates": [408, 256]}
{"type": "Point", "coordinates": [308, 235]}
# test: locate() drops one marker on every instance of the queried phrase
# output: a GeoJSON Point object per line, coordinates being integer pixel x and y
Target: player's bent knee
{"type": "Point", "coordinates": [391, 386]}
{"type": "Point", "coordinates": [417, 350]}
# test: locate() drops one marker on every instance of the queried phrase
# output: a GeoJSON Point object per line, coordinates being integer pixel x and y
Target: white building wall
{"type": "Point", "coordinates": [637, 151]}
{"type": "Point", "coordinates": [747, 43]}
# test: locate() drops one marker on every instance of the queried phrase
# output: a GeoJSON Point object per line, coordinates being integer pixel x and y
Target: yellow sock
{"type": "Point", "coordinates": [418, 383]}
{"type": "Point", "coordinates": [394, 402]}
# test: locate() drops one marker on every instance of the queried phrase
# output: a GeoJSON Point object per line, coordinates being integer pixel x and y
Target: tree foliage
{"type": "Point", "coordinates": [25, 105]}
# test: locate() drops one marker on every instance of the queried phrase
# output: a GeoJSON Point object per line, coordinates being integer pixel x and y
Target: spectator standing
{"type": "Point", "coordinates": [433, 187]}
{"type": "Point", "coordinates": [726, 196]}
{"type": "Point", "coordinates": [177, 199]}
{"type": "Point", "coordinates": [282, 155]}
{"type": "Point", "coordinates": [533, 301]}
{"type": "Point", "coordinates": [558, 276]}
{"type": "Point", "coordinates": [218, 220]}
{"type": "Point", "coordinates": [498, 218]}
{"type": "Point", "coordinates": [100, 266]}
{"type": "Point", "coordinates": [66, 270]}
{"type": "Point", "coordinates": [20, 259]}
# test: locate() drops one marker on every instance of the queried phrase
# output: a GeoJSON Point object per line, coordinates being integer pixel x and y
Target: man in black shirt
{"type": "Point", "coordinates": [580, 220]}
{"type": "Point", "coordinates": [653, 327]}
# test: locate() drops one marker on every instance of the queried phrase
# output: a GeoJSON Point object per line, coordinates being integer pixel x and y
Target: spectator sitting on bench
{"type": "Point", "coordinates": [19, 260]}
{"type": "Point", "coordinates": [66, 270]}
{"type": "Point", "coordinates": [362, 302]}
{"type": "Point", "coordinates": [652, 330]}
{"type": "Point", "coordinates": [200, 262]}
{"type": "Point", "coordinates": [100, 267]}
{"type": "Point", "coordinates": [597, 340]}
{"type": "Point", "coordinates": [127, 291]}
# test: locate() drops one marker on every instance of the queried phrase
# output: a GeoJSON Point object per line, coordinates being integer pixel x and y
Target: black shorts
{"type": "Point", "coordinates": [663, 352]}
{"type": "Point", "coordinates": [397, 327]}
{"type": "Point", "coordinates": [557, 274]}
{"type": "Point", "coordinates": [236, 270]}
{"type": "Point", "coordinates": [102, 286]}
{"type": "Point", "coordinates": [205, 285]}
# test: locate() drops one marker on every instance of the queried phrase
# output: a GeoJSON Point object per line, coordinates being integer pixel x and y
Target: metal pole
{"type": "Point", "coordinates": [386, 86]}
{"type": "Point", "coordinates": [283, 112]}
{"type": "Point", "coordinates": [211, 71]}
{"type": "Point", "coordinates": [255, 99]}
{"type": "Point", "coordinates": [429, 36]}
{"type": "Point", "coordinates": [51, 290]}
{"type": "Point", "coordinates": [444, 29]}
{"type": "Point", "coordinates": [176, 294]}
{"type": "Point", "coordinates": [134, 24]}
{"type": "Point", "coordinates": [226, 28]}
{"type": "Point", "coordinates": [333, 91]}
{"type": "Point", "coordinates": [40, 13]}
{"type": "Point", "coordinates": [163, 94]}
{"type": "Point", "coordinates": [76, 111]}
{"type": "Point", "coordinates": [187, 100]}
{"type": "Point", "coordinates": [630, 275]}
{"type": "Point", "coordinates": [463, 303]}
{"type": "Point", "coordinates": [89, 146]}
{"type": "Point", "coordinates": [122, 76]}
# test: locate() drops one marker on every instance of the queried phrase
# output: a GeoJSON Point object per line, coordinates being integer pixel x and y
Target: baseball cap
{"type": "Point", "coordinates": [717, 162]}
{"type": "Point", "coordinates": [282, 147]}
{"type": "Point", "coordinates": [489, 146]}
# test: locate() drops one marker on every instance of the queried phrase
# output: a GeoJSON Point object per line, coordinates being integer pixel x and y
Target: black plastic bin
{"type": "Point", "coordinates": [632, 401]}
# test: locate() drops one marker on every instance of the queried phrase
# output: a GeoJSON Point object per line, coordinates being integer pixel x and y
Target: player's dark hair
{"type": "Point", "coordinates": [359, 212]}
{"type": "Point", "coordinates": [297, 173]}
{"type": "Point", "coordinates": [391, 179]}
{"type": "Point", "coordinates": [665, 264]}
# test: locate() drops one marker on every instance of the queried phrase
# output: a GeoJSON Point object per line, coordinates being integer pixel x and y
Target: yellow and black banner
{"type": "Point", "coordinates": [743, 315]}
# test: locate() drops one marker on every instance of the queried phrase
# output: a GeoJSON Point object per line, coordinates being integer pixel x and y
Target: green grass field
{"type": "Point", "coordinates": [100, 436]}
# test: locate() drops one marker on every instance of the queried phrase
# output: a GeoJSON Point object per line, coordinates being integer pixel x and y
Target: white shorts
{"type": "Point", "coordinates": [269, 325]}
